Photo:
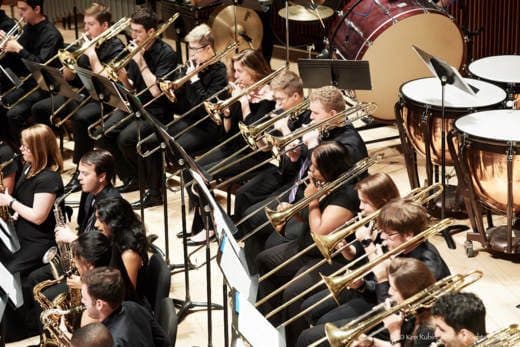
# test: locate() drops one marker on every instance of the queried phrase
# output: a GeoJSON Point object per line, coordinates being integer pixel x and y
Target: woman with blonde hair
{"type": "Point", "coordinates": [33, 198]}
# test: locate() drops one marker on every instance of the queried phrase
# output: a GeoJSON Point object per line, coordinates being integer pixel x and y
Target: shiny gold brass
{"type": "Point", "coordinates": [505, 337]}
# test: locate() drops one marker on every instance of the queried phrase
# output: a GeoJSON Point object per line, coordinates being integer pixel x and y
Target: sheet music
{"type": "Point", "coordinates": [253, 326]}
{"type": "Point", "coordinates": [3, 303]}
{"type": "Point", "coordinates": [11, 285]}
{"type": "Point", "coordinates": [8, 237]}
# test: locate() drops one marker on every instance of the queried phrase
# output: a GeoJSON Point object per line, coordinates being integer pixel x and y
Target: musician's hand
{"type": "Point", "coordinates": [5, 199]}
{"type": "Point", "coordinates": [74, 282]}
{"type": "Point", "coordinates": [364, 233]}
{"type": "Point", "coordinates": [139, 60]}
{"type": "Point", "coordinates": [381, 271]}
{"type": "Point", "coordinates": [13, 46]}
{"type": "Point", "coordinates": [191, 67]}
{"type": "Point", "coordinates": [2, 34]}
{"type": "Point", "coordinates": [363, 341]}
{"type": "Point", "coordinates": [294, 151]}
{"type": "Point", "coordinates": [64, 234]}
{"type": "Point", "coordinates": [310, 189]}
{"type": "Point", "coordinates": [91, 51]}
{"type": "Point", "coordinates": [283, 206]}
{"type": "Point", "coordinates": [312, 138]}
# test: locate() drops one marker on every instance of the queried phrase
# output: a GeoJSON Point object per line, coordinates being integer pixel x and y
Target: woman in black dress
{"type": "Point", "coordinates": [33, 198]}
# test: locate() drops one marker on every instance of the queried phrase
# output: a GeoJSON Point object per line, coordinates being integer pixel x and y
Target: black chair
{"type": "Point", "coordinates": [158, 280]}
{"type": "Point", "coordinates": [167, 318]}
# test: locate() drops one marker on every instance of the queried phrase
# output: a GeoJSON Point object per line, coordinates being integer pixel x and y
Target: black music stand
{"type": "Point", "coordinates": [11, 76]}
{"type": "Point", "coordinates": [344, 74]}
{"type": "Point", "coordinates": [177, 151]}
{"type": "Point", "coordinates": [446, 74]}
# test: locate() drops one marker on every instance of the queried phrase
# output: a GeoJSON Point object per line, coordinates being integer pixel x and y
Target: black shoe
{"type": "Point", "coordinates": [73, 185]}
{"type": "Point", "coordinates": [130, 186]}
{"type": "Point", "coordinates": [149, 200]}
{"type": "Point", "coordinates": [180, 234]}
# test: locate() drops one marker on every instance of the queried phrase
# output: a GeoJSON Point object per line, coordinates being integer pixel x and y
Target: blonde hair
{"type": "Point", "coordinates": [201, 34]}
{"type": "Point", "coordinates": [100, 11]}
{"type": "Point", "coordinates": [330, 97]}
{"type": "Point", "coordinates": [41, 141]}
{"type": "Point", "coordinates": [288, 82]}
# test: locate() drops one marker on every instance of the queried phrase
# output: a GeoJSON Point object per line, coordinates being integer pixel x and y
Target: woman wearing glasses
{"type": "Point", "coordinates": [33, 198]}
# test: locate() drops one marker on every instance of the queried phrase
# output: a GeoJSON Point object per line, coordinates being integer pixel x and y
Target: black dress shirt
{"type": "Point", "coordinates": [160, 59]}
{"type": "Point", "coordinates": [133, 326]}
{"type": "Point", "coordinates": [87, 211]}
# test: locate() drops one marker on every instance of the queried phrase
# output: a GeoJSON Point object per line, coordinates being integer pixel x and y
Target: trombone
{"type": "Point", "coordinates": [71, 57]}
{"type": "Point", "coordinates": [167, 88]}
{"type": "Point", "coordinates": [326, 244]}
{"type": "Point", "coordinates": [506, 337]}
{"type": "Point", "coordinates": [13, 34]}
{"type": "Point", "coordinates": [121, 60]}
{"type": "Point", "coordinates": [336, 282]}
{"type": "Point", "coordinates": [214, 109]}
{"type": "Point", "coordinates": [347, 334]}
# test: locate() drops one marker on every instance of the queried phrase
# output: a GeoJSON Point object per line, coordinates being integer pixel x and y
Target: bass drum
{"type": "Point", "coordinates": [383, 33]}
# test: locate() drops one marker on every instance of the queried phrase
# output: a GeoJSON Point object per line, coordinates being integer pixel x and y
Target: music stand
{"type": "Point", "coordinates": [344, 74]}
{"type": "Point", "coordinates": [11, 76]}
{"type": "Point", "coordinates": [446, 74]}
{"type": "Point", "coordinates": [10, 285]}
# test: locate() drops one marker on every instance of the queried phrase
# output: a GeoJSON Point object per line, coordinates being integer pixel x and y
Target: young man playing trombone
{"type": "Point", "coordinates": [152, 60]}
{"type": "Point", "coordinates": [38, 43]}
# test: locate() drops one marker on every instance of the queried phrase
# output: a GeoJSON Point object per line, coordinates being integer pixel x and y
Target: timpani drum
{"type": "Point", "coordinates": [502, 70]}
{"type": "Point", "coordinates": [488, 160]}
{"type": "Point", "coordinates": [421, 111]}
{"type": "Point", "coordinates": [383, 33]}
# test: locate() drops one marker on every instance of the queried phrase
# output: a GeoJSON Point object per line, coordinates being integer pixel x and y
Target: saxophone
{"type": "Point", "coordinates": [51, 319]}
{"type": "Point", "coordinates": [7, 224]}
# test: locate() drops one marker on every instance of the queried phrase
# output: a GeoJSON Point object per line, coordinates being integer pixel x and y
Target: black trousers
{"type": "Point", "coordinates": [42, 110]}
{"type": "Point", "coordinates": [122, 142]}
{"type": "Point", "coordinates": [81, 120]}
{"type": "Point", "coordinates": [18, 116]}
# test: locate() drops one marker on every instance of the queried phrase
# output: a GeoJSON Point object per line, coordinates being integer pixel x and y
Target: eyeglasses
{"type": "Point", "coordinates": [390, 234]}
{"type": "Point", "coordinates": [197, 49]}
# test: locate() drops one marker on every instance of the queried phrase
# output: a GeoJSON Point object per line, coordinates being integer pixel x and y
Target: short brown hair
{"type": "Point", "coordinates": [92, 335]}
{"type": "Point", "coordinates": [105, 284]}
{"type": "Point", "coordinates": [410, 276]}
{"type": "Point", "coordinates": [330, 97]}
{"type": "Point", "coordinates": [378, 188]}
{"type": "Point", "coordinates": [403, 216]}
{"type": "Point", "coordinates": [99, 11]}
{"type": "Point", "coordinates": [201, 34]}
{"type": "Point", "coordinates": [42, 143]}
{"type": "Point", "coordinates": [254, 62]}
{"type": "Point", "coordinates": [288, 82]}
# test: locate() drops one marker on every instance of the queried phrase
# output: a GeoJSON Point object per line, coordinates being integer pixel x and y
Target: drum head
{"type": "Point", "coordinates": [498, 125]}
{"type": "Point", "coordinates": [393, 61]}
{"type": "Point", "coordinates": [500, 68]}
{"type": "Point", "coordinates": [428, 91]}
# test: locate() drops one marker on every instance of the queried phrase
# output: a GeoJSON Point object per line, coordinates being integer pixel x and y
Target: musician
{"type": "Point", "coordinates": [6, 22]}
{"type": "Point", "coordinates": [129, 323]}
{"type": "Point", "coordinates": [460, 319]}
{"type": "Point", "coordinates": [39, 42]}
{"type": "Point", "coordinates": [96, 173]}
{"type": "Point", "coordinates": [406, 277]}
{"type": "Point", "coordinates": [288, 92]}
{"type": "Point", "coordinates": [249, 67]}
{"type": "Point", "coordinates": [325, 102]}
{"type": "Point", "coordinates": [398, 221]}
{"type": "Point", "coordinates": [96, 21]}
{"type": "Point", "coordinates": [117, 220]}
{"type": "Point", "coordinates": [92, 335]}
{"type": "Point", "coordinates": [201, 137]}
{"type": "Point", "coordinates": [148, 65]}
{"type": "Point", "coordinates": [32, 202]}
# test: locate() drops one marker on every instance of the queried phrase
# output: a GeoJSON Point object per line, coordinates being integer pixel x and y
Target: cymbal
{"type": "Point", "coordinates": [249, 27]}
{"type": "Point", "coordinates": [305, 14]}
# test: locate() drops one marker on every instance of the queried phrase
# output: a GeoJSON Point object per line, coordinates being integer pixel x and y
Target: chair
{"type": "Point", "coordinates": [167, 318]}
{"type": "Point", "coordinates": [158, 280]}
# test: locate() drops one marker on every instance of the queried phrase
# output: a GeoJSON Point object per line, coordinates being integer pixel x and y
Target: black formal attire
{"type": "Point", "coordinates": [41, 42]}
{"type": "Point", "coordinates": [346, 197]}
{"type": "Point", "coordinates": [272, 180]}
{"type": "Point", "coordinates": [357, 302]}
{"type": "Point", "coordinates": [131, 325]}
{"type": "Point", "coordinates": [200, 137]}
{"type": "Point", "coordinates": [87, 210]}
{"type": "Point", "coordinates": [346, 135]}
{"type": "Point", "coordinates": [121, 142]}
{"type": "Point", "coordinates": [6, 153]}
{"type": "Point", "coordinates": [6, 23]}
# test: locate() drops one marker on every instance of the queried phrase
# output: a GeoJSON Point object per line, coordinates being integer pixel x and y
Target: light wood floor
{"type": "Point", "coordinates": [499, 288]}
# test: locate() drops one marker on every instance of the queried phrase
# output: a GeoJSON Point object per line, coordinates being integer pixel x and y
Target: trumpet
{"type": "Point", "coordinates": [336, 282]}
{"type": "Point", "coordinates": [252, 133]}
{"type": "Point", "coordinates": [347, 334]}
{"type": "Point", "coordinates": [361, 110]}
{"type": "Point", "coordinates": [121, 60]}
{"type": "Point", "coordinates": [215, 109]}
{"type": "Point", "coordinates": [13, 34]}
{"type": "Point", "coordinates": [69, 59]}
{"type": "Point", "coordinates": [169, 87]}
{"type": "Point", "coordinates": [506, 337]}
{"type": "Point", "coordinates": [327, 243]}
